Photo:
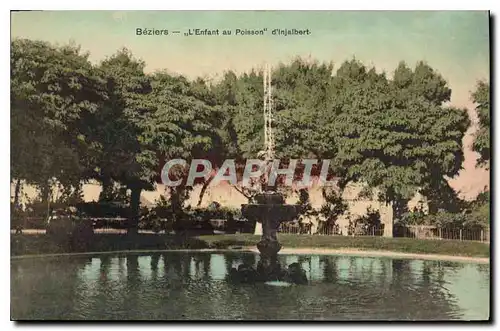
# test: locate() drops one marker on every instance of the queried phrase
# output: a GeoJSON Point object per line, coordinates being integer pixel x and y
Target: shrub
{"type": "Point", "coordinates": [331, 210]}
{"type": "Point", "coordinates": [364, 224]}
{"type": "Point", "coordinates": [479, 217]}
{"type": "Point", "coordinates": [414, 217]}
{"type": "Point", "coordinates": [103, 209]}
{"type": "Point", "coordinates": [444, 219]}
{"type": "Point", "coordinates": [81, 235]}
{"type": "Point", "coordinates": [70, 231]}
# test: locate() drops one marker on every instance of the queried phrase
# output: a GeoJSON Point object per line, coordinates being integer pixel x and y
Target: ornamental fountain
{"type": "Point", "coordinates": [267, 207]}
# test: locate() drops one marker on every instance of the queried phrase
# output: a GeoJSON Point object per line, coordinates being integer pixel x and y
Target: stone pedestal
{"type": "Point", "coordinates": [268, 210]}
{"type": "Point", "coordinates": [269, 247]}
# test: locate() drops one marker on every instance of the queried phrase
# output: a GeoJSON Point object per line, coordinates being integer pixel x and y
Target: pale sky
{"type": "Point", "coordinates": [455, 43]}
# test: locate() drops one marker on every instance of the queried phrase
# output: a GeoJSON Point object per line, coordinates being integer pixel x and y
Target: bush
{"type": "Point", "coordinates": [415, 217]}
{"type": "Point", "coordinates": [61, 227]}
{"type": "Point", "coordinates": [69, 231]}
{"type": "Point", "coordinates": [103, 209]}
{"type": "Point", "coordinates": [331, 210]}
{"type": "Point", "coordinates": [164, 216]}
{"type": "Point", "coordinates": [81, 235]}
{"type": "Point", "coordinates": [444, 219]}
{"type": "Point", "coordinates": [219, 213]}
{"type": "Point", "coordinates": [150, 220]}
{"type": "Point", "coordinates": [40, 209]}
{"type": "Point", "coordinates": [163, 208]}
{"type": "Point", "coordinates": [474, 215]}
{"type": "Point", "coordinates": [479, 217]}
{"type": "Point", "coordinates": [475, 219]}
{"type": "Point", "coordinates": [363, 225]}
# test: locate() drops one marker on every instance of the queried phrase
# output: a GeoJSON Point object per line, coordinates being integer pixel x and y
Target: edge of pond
{"type": "Point", "coordinates": [286, 251]}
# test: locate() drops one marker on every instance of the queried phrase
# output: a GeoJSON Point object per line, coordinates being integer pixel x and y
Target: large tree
{"type": "Point", "coordinates": [124, 151]}
{"type": "Point", "coordinates": [300, 91]}
{"type": "Point", "coordinates": [52, 88]}
{"type": "Point", "coordinates": [115, 123]}
{"type": "Point", "coordinates": [185, 124]}
{"type": "Point", "coordinates": [395, 135]}
{"type": "Point", "coordinates": [481, 98]}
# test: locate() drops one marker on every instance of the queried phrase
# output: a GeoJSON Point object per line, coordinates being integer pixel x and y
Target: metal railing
{"type": "Point", "coordinates": [408, 231]}
{"type": "Point", "coordinates": [440, 233]}
{"type": "Point", "coordinates": [416, 232]}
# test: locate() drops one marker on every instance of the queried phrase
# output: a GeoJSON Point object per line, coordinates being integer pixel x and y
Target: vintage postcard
{"type": "Point", "coordinates": [250, 165]}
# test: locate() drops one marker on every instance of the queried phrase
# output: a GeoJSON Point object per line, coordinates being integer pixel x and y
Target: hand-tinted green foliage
{"type": "Point", "coordinates": [472, 215]}
{"type": "Point", "coordinates": [394, 134]}
{"type": "Point", "coordinates": [300, 91]}
{"type": "Point", "coordinates": [126, 119]}
{"type": "Point", "coordinates": [113, 122]}
{"type": "Point", "coordinates": [52, 89]}
{"type": "Point", "coordinates": [368, 224]}
{"type": "Point", "coordinates": [481, 98]}
{"type": "Point", "coordinates": [333, 207]}
{"type": "Point", "coordinates": [241, 100]}
{"type": "Point", "coordinates": [185, 121]}
{"type": "Point", "coordinates": [478, 211]}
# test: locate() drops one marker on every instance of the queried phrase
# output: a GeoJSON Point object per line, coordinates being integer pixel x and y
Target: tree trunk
{"type": "Point", "coordinates": [17, 190]}
{"type": "Point", "coordinates": [107, 189]}
{"type": "Point", "coordinates": [433, 208]}
{"type": "Point", "coordinates": [175, 200]}
{"type": "Point", "coordinates": [135, 202]}
{"type": "Point", "coordinates": [399, 207]}
{"type": "Point", "coordinates": [45, 191]}
{"type": "Point", "coordinates": [203, 189]}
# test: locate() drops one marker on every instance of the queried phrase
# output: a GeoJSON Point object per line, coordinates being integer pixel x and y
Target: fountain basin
{"type": "Point", "coordinates": [269, 206]}
{"type": "Point", "coordinates": [169, 286]}
{"type": "Point", "coordinates": [260, 212]}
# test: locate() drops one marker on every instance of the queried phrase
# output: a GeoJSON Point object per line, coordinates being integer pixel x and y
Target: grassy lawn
{"type": "Point", "coordinates": [43, 244]}
{"type": "Point", "coordinates": [406, 245]}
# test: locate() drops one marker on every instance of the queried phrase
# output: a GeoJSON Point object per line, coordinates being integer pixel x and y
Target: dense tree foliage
{"type": "Point", "coordinates": [112, 122]}
{"type": "Point", "coordinates": [395, 135]}
{"type": "Point", "coordinates": [481, 98]}
{"type": "Point", "coordinates": [52, 89]}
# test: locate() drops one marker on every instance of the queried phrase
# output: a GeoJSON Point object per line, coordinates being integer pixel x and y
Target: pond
{"type": "Point", "coordinates": [194, 286]}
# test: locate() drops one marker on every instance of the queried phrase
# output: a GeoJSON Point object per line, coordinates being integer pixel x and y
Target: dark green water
{"type": "Point", "coordinates": [192, 286]}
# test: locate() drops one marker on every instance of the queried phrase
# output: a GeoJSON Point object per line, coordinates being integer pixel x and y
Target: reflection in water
{"type": "Point", "coordinates": [180, 285]}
